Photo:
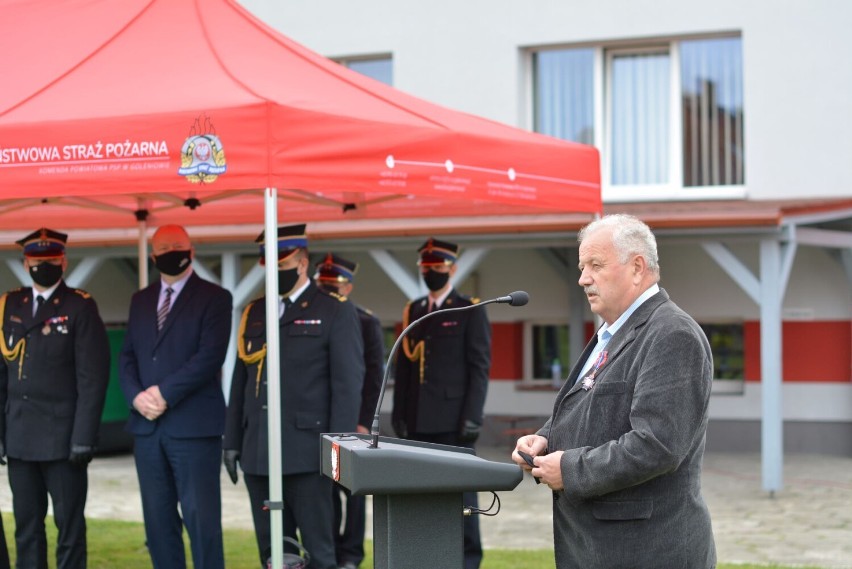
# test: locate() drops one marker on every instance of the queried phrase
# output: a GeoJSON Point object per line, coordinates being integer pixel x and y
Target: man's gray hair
{"type": "Point", "coordinates": [630, 236]}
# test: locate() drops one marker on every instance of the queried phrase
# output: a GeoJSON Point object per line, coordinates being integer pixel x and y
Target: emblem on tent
{"type": "Point", "coordinates": [202, 156]}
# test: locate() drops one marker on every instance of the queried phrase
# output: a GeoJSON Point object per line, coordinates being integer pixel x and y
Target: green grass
{"type": "Point", "coordinates": [115, 544]}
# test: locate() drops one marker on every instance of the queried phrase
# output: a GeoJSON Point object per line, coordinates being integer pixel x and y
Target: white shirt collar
{"type": "Point", "coordinates": [47, 293]}
{"type": "Point", "coordinates": [438, 302]}
{"type": "Point", "coordinates": [176, 286]}
{"type": "Point", "coordinates": [651, 291]}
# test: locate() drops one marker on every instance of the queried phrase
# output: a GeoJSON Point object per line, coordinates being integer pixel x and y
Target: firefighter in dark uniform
{"type": "Point", "coordinates": [336, 275]}
{"type": "Point", "coordinates": [52, 386]}
{"type": "Point", "coordinates": [322, 368]}
{"type": "Point", "coordinates": [442, 372]}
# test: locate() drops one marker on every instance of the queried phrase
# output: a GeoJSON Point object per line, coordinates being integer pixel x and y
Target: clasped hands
{"type": "Point", "coordinates": [547, 467]}
{"type": "Point", "coordinates": [150, 403]}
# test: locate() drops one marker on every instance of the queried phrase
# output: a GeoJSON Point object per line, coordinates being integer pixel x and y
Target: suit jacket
{"type": "Point", "coordinates": [374, 362]}
{"type": "Point", "coordinates": [457, 361]}
{"type": "Point", "coordinates": [52, 394]}
{"type": "Point", "coordinates": [633, 444]}
{"type": "Point", "coordinates": [184, 358]}
{"type": "Point", "coordinates": [322, 370]}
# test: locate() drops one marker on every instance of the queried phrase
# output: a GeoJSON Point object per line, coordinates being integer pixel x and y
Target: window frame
{"type": "Point", "coordinates": [674, 189]}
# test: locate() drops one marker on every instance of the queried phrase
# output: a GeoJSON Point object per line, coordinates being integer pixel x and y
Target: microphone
{"type": "Point", "coordinates": [517, 298]}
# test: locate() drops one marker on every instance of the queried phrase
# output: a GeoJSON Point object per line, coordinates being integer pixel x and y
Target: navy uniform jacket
{"type": "Point", "coordinates": [55, 398]}
{"type": "Point", "coordinates": [456, 363]}
{"type": "Point", "coordinates": [322, 369]}
{"type": "Point", "coordinates": [184, 358]}
{"type": "Point", "coordinates": [374, 362]}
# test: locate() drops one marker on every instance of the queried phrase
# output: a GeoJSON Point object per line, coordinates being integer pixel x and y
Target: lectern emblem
{"type": "Point", "coordinates": [335, 462]}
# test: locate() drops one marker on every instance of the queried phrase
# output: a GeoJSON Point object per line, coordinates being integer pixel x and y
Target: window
{"type": "Point", "coordinates": [726, 343]}
{"type": "Point", "coordinates": [666, 116]}
{"type": "Point", "coordinates": [711, 88]}
{"type": "Point", "coordinates": [378, 68]}
{"type": "Point", "coordinates": [550, 351]}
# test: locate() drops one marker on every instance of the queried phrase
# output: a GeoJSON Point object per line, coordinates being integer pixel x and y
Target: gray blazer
{"type": "Point", "coordinates": [633, 445]}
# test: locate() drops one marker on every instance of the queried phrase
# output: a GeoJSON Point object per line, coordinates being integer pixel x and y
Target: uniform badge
{"type": "Point", "coordinates": [46, 329]}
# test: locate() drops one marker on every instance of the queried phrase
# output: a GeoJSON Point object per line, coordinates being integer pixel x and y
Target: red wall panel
{"type": "Point", "coordinates": [813, 351]}
{"type": "Point", "coordinates": [507, 350]}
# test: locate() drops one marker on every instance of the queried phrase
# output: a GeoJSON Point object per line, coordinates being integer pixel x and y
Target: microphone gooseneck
{"type": "Point", "coordinates": [517, 298]}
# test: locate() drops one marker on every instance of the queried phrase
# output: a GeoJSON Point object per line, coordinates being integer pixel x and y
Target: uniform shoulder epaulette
{"type": "Point", "coordinates": [475, 299]}
{"type": "Point", "coordinates": [82, 293]}
{"type": "Point", "coordinates": [364, 310]}
{"type": "Point", "coordinates": [333, 294]}
{"type": "Point", "coordinates": [19, 289]}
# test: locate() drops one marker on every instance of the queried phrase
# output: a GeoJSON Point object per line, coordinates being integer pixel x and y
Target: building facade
{"type": "Point", "coordinates": [724, 126]}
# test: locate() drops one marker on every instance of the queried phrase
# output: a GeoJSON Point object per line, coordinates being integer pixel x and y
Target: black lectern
{"type": "Point", "coordinates": [417, 494]}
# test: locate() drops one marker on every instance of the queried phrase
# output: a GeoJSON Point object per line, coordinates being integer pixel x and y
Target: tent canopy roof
{"type": "Point", "coordinates": [142, 104]}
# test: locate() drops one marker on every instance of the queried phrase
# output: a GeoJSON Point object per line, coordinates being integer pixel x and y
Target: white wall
{"type": "Point", "coordinates": [468, 55]}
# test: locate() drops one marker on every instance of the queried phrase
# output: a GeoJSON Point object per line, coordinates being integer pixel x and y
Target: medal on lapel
{"type": "Point", "coordinates": [589, 380]}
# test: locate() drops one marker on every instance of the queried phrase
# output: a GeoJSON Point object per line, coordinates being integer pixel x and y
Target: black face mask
{"type": "Point", "coordinates": [46, 274]}
{"type": "Point", "coordinates": [435, 280]}
{"type": "Point", "coordinates": [174, 262]}
{"type": "Point", "coordinates": [287, 279]}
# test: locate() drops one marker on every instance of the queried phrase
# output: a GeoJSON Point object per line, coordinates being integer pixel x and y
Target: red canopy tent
{"type": "Point", "coordinates": [175, 100]}
{"type": "Point", "coordinates": [108, 108]}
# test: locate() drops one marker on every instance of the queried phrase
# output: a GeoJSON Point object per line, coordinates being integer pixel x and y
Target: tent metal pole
{"type": "Point", "coordinates": [273, 378]}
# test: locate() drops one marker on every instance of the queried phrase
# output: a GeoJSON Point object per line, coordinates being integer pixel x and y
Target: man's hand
{"type": "Point", "coordinates": [549, 469]}
{"type": "Point", "coordinates": [362, 430]}
{"type": "Point", "coordinates": [230, 458]}
{"type": "Point", "coordinates": [469, 432]}
{"type": "Point", "coordinates": [2, 453]}
{"type": "Point", "coordinates": [81, 455]}
{"type": "Point", "coordinates": [150, 403]}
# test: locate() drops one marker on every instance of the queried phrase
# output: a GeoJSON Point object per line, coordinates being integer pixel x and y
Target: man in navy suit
{"type": "Point", "coordinates": [177, 337]}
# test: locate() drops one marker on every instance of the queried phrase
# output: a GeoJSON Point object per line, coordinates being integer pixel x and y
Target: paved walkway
{"type": "Point", "coordinates": [808, 523]}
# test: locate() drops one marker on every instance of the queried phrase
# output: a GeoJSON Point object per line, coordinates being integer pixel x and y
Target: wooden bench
{"type": "Point", "coordinates": [513, 432]}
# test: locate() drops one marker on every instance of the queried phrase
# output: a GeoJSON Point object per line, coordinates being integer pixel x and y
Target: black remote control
{"type": "Point", "coordinates": [529, 460]}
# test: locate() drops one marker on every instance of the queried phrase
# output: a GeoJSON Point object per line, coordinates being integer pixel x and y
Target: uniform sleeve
{"type": "Point", "coordinates": [346, 366]}
{"type": "Point", "coordinates": [4, 382]}
{"type": "Point", "coordinates": [402, 379]}
{"type": "Point", "coordinates": [371, 331]}
{"type": "Point", "coordinates": [478, 354]}
{"type": "Point", "coordinates": [91, 361]}
{"type": "Point", "coordinates": [236, 403]}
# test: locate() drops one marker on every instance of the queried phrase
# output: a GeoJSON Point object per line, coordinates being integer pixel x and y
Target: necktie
{"type": "Point", "coordinates": [39, 303]}
{"type": "Point", "coordinates": [164, 308]}
{"type": "Point", "coordinates": [595, 354]}
{"type": "Point", "coordinates": [285, 304]}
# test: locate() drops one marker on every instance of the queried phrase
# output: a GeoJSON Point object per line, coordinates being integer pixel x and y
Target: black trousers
{"type": "Point", "coordinates": [472, 541]}
{"type": "Point", "coordinates": [67, 485]}
{"type": "Point", "coordinates": [349, 541]}
{"type": "Point", "coordinates": [4, 551]}
{"type": "Point", "coordinates": [307, 508]}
